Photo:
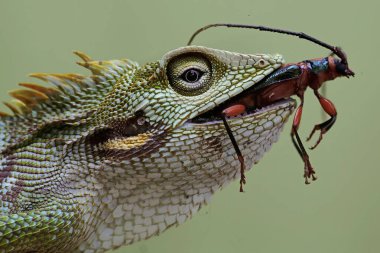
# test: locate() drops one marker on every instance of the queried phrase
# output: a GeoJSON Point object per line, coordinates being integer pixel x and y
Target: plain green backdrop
{"type": "Point", "coordinates": [277, 213]}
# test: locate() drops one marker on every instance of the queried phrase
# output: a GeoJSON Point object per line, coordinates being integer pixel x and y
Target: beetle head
{"type": "Point", "coordinates": [341, 65]}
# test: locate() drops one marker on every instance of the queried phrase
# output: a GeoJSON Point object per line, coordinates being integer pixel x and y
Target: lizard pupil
{"type": "Point", "coordinates": [191, 75]}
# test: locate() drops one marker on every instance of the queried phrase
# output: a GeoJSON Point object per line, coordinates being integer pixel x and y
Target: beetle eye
{"type": "Point", "coordinates": [192, 75]}
{"type": "Point", "coordinates": [340, 67]}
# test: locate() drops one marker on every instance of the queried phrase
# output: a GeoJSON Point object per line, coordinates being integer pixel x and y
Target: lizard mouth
{"type": "Point", "coordinates": [214, 115]}
{"type": "Point", "coordinates": [247, 100]}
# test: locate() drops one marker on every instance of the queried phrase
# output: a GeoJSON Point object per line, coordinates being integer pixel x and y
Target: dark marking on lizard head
{"type": "Point", "coordinates": [212, 143]}
{"type": "Point", "coordinates": [5, 173]}
{"type": "Point", "coordinates": [120, 129]}
{"type": "Point", "coordinates": [12, 196]}
{"type": "Point", "coordinates": [124, 139]}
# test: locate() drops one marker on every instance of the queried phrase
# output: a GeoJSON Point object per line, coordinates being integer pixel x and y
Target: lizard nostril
{"type": "Point", "coordinates": [261, 63]}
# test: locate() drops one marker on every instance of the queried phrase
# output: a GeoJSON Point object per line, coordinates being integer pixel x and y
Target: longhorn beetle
{"type": "Point", "coordinates": [291, 79]}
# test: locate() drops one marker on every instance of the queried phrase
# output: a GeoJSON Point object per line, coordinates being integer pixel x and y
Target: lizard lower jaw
{"type": "Point", "coordinates": [252, 112]}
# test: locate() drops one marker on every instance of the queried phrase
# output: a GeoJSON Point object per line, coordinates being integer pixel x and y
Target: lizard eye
{"type": "Point", "coordinates": [192, 75]}
{"type": "Point", "coordinates": [189, 74]}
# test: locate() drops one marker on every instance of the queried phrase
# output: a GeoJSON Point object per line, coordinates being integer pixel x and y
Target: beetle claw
{"type": "Point", "coordinates": [309, 172]}
{"type": "Point", "coordinates": [322, 132]}
{"type": "Point", "coordinates": [318, 141]}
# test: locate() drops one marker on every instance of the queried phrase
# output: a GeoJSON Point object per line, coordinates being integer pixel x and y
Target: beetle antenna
{"type": "Point", "coordinates": [336, 50]}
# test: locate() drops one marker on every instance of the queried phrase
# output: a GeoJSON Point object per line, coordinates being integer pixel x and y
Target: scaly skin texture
{"type": "Point", "coordinates": [107, 160]}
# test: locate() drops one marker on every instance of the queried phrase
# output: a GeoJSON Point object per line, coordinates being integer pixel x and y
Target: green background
{"type": "Point", "coordinates": [278, 213]}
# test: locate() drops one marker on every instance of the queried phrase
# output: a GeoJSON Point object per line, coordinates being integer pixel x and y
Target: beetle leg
{"type": "Point", "coordinates": [238, 152]}
{"type": "Point", "coordinates": [329, 108]}
{"type": "Point", "coordinates": [308, 169]}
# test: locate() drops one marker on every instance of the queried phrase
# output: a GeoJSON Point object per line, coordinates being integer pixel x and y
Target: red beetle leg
{"type": "Point", "coordinates": [297, 118]}
{"type": "Point", "coordinates": [308, 169]}
{"type": "Point", "coordinates": [329, 108]}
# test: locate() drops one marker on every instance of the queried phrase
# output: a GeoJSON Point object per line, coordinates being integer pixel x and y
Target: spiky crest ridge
{"type": "Point", "coordinates": [71, 97]}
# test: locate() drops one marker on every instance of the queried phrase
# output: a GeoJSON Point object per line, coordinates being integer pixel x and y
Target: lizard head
{"type": "Point", "coordinates": [164, 147]}
{"type": "Point", "coordinates": [189, 85]}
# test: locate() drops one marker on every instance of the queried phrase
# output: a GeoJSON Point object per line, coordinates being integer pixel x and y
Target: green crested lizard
{"type": "Point", "coordinates": [106, 160]}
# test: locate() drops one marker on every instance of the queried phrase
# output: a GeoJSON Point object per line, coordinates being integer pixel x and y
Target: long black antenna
{"type": "Point", "coordinates": [336, 50]}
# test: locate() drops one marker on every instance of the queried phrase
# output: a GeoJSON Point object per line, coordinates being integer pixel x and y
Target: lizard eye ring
{"type": "Point", "coordinates": [189, 74]}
